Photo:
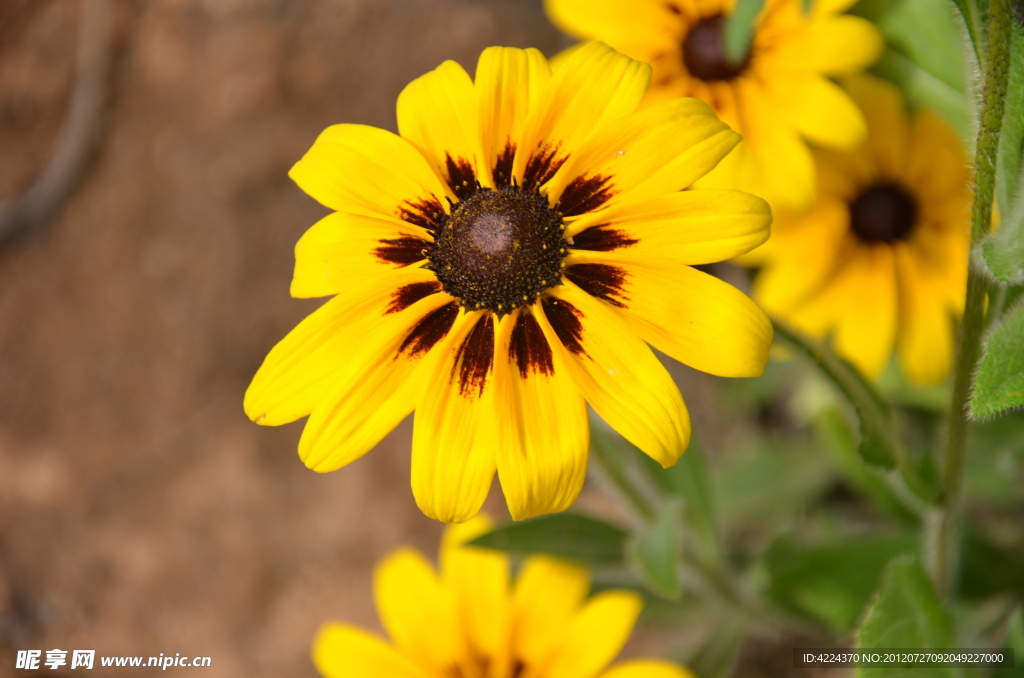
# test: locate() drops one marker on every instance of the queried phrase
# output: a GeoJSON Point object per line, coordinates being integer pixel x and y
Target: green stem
{"type": "Point", "coordinates": [942, 528]}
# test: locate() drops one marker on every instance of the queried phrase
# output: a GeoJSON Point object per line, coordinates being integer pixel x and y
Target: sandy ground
{"type": "Point", "coordinates": [140, 511]}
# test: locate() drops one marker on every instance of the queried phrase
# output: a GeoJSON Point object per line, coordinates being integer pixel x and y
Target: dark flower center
{"type": "Point", "coordinates": [883, 213]}
{"type": "Point", "coordinates": [704, 51]}
{"type": "Point", "coordinates": [499, 249]}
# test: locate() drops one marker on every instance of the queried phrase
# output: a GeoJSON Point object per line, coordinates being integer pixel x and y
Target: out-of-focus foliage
{"type": "Point", "coordinates": [565, 535]}
{"type": "Point", "coordinates": [924, 54]}
{"type": "Point", "coordinates": [906, 614]}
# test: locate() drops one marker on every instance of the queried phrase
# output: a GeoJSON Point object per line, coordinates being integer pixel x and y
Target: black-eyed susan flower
{"type": "Point", "coordinates": [881, 260]}
{"type": "Point", "coordinates": [470, 620]}
{"type": "Point", "coordinates": [500, 264]}
{"type": "Point", "coordinates": [778, 96]}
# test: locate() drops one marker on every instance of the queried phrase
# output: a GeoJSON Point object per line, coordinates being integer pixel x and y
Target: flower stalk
{"type": "Point", "coordinates": [941, 541]}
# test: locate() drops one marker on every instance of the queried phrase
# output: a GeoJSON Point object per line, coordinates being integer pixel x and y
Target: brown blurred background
{"type": "Point", "coordinates": [140, 511]}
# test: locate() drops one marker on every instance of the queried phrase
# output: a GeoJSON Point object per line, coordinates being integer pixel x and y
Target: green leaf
{"type": "Point", "coordinates": [906, 613]}
{"type": "Point", "coordinates": [879, 444]}
{"type": "Point", "coordinates": [739, 29]}
{"type": "Point", "coordinates": [690, 481]}
{"type": "Point", "coordinates": [564, 535]}
{"type": "Point", "coordinates": [655, 553]}
{"type": "Point", "coordinates": [717, 656]}
{"type": "Point", "coordinates": [924, 53]}
{"type": "Point", "coordinates": [999, 382]}
{"type": "Point", "coordinates": [832, 582]}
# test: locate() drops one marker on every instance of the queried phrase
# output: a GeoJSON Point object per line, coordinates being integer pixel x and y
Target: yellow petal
{"type": "Point", "coordinates": [648, 668]}
{"type": "Point", "coordinates": [698, 226]}
{"type": "Point", "coordinates": [821, 111]}
{"type": "Point", "coordinates": [773, 161]}
{"type": "Point", "coordinates": [595, 85]}
{"type": "Point", "coordinates": [885, 112]}
{"type": "Point", "coordinates": [379, 387]}
{"type": "Point", "coordinates": [344, 651]}
{"type": "Point", "coordinates": [548, 595]}
{"type": "Point", "coordinates": [343, 250]}
{"type": "Point", "coordinates": [300, 369]}
{"type": "Point", "coordinates": [365, 170]}
{"type": "Point", "coordinates": [455, 432]}
{"type": "Point", "coordinates": [925, 336]}
{"type": "Point", "coordinates": [661, 149]}
{"type": "Point", "coordinates": [438, 113]}
{"type": "Point", "coordinates": [804, 251]}
{"type": "Point", "coordinates": [690, 315]}
{"type": "Point", "coordinates": [542, 419]}
{"type": "Point", "coordinates": [937, 167]}
{"type": "Point", "coordinates": [509, 82]}
{"type": "Point", "coordinates": [480, 579]}
{"type": "Point", "coordinates": [596, 636]}
{"type": "Point", "coordinates": [640, 28]}
{"type": "Point", "coordinates": [830, 45]}
{"type": "Point", "coordinates": [859, 303]}
{"type": "Point", "coordinates": [417, 611]}
{"type": "Point", "coordinates": [617, 373]}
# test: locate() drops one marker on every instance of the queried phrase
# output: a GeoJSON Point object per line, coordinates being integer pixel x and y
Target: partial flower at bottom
{"type": "Point", "coordinates": [502, 263]}
{"type": "Point", "coordinates": [880, 262]}
{"type": "Point", "coordinates": [470, 620]}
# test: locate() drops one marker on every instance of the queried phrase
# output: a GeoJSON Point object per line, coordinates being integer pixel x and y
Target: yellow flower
{"type": "Point", "coordinates": [470, 621]}
{"type": "Point", "coordinates": [502, 263]}
{"type": "Point", "coordinates": [881, 260]}
{"type": "Point", "coordinates": [777, 97]}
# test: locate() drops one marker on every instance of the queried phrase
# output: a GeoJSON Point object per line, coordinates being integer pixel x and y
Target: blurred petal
{"type": "Point", "coordinates": [343, 651]}
{"type": "Point", "coordinates": [648, 668]}
{"type": "Point", "coordinates": [548, 595]}
{"type": "Point", "coordinates": [595, 636]}
{"type": "Point", "coordinates": [480, 579]}
{"type": "Point", "coordinates": [417, 610]}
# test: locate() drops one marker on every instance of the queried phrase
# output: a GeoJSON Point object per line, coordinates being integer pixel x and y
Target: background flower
{"type": "Point", "coordinates": [779, 97]}
{"type": "Point", "coordinates": [471, 620]}
{"type": "Point", "coordinates": [881, 260]}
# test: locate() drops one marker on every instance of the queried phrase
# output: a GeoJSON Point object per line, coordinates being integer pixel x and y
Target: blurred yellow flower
{"type": "Point", "coordinates": [502, 263]}
{"type": "Point", "coordinates": [471, 621]}
{"type": "Point", "coordinates": [881, 260]}
{"type": "Point", "coordinates": [779, 97]}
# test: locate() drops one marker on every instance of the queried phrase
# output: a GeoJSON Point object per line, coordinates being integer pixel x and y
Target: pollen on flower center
{"type": "Point", "coordinates": [704, 51]}
{"type": "Point", "coordinates": [883, 213]}
{"type": "Point", "coordinates": [499, 249]}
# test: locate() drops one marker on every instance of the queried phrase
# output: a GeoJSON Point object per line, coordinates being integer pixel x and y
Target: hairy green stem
{"type": "Point", "coordinates": [941, 539]}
